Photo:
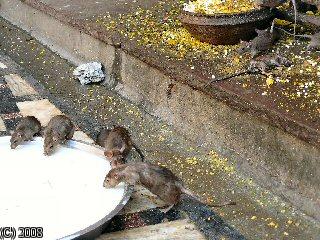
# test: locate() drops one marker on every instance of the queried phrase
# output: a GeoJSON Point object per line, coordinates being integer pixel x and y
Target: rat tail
{"type": "Point", "coordinates": [302, 36]}
{"type": "Point", "coordinates": [138, 151]}
{"type": "Point", "coordinates": [223, 204]}
{"type": "Point", "coordinates": [186, 191]}
{"type": "Point", "coordinates": [227, 77]}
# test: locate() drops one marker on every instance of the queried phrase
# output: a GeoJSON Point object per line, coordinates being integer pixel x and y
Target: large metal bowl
{"type": "Point", "coordinates": [226, 29]}
{"type": "Point", "coordinates": [26, 176]}
{"type": "Point", "coordinates": [95, 230]}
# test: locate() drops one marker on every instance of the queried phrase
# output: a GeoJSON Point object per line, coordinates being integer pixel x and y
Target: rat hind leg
{"type": "Point", "coordinates": [133, 178]}
{"type": "Point", "coordinates": [169, 193]}
{"type": "Point", "coordinates": [71, 133]}
{"type": "Point", "coordinates": [167, 209]}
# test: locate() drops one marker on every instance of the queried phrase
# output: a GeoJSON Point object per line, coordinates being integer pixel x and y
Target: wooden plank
{"type": "Point", "coordinates": [180, 229]}
{"type": "Point", "coordinates": [19, 87]}
{"type": "Point", "coordinates": [41, 109]}
{"type": "Point", "coordinates": [2, 126]}
{"type": "Point", "coordinates": [81, 136]}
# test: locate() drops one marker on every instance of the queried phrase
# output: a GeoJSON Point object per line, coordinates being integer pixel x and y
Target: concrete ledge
{"type": "Point", "coordinates": [69, 42]}
{"type": "Point", "coordinates": [220, 120]}
{"type": "Point", "coordinates": [275, 159]}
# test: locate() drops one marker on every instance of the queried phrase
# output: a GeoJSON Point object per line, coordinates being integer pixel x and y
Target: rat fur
{"type": "Point", "coordinates": [261, 43]}
{"type": "Point", "coordinates": [117, 143]}
{"type": "Point", "coordinates": [157, 179]}
{"type": "Point", "coordinates": [315, 3]}
{"type": "Point", "coordinates": [261, 65]}
{"type": "Point", "coordinates": [25, 131]}
{"type": "Point", "coordinates": [60, 128]}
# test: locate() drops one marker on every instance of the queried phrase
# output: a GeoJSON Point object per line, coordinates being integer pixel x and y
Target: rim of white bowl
{"type": "Point", "coordinates": [96, 228]}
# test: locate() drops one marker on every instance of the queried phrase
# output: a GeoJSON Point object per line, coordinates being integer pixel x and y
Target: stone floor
{"type": "Point", "coordinates": [258, 214]}
{"type": "Point", "coordinates": [141, 218]}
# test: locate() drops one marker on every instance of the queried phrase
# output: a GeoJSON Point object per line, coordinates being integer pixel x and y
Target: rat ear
{"type": "Point", "coordinates": [108, 154]}
{"type": "Point", "coordinates": [259, 31]}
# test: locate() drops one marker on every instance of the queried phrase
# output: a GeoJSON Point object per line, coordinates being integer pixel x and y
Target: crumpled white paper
{"type": "Point", "coordinates": [89, 73]}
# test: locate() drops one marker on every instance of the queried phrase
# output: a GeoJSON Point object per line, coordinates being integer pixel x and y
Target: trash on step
{"type": "Point", "coordinates": [89, 73]}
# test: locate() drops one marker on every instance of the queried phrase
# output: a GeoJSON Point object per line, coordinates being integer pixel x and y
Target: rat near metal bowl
{"type": "Point", "coordinates": [96, 229]}
{"type": "Point", "coordinates": [226, 29]}
{"type": "Point", "coordinates": [62, 194]}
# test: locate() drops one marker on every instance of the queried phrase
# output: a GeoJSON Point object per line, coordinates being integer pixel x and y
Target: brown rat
{"type": "Point", "coordinates": [157, 179]}
{"type": "Point", "coordinates": [102, 137]}
{"type": "Point", "coordinates": [25, 131]}
{"type": "Point", "coordinates": [263, 42]}
{"type": "Point", "coordinates": [117, 143]}
{"type": "Point", "coordinates": [261, 65]}
{"type": "Point", "coordinates": [315, 41]}
{"type": "Point", "coordinates": [60, 128]}
{"type": "Point", "coordinates": [313, 2]}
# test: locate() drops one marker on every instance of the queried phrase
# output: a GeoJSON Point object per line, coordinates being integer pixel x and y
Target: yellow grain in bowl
{"type": "Point", "coordinates": [211, 7]}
